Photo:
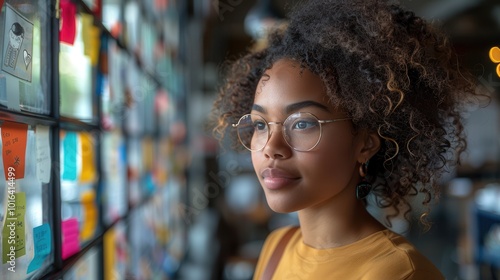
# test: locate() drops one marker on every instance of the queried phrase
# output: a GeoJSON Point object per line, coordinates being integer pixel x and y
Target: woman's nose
{"type": "Point", "coordinates": [276, 147]}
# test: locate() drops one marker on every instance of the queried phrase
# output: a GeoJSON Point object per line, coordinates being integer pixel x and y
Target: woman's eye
{"type": "Point", "coordinates": [259, 125]}
{"type": "Point", "coordinates": [304, 124]}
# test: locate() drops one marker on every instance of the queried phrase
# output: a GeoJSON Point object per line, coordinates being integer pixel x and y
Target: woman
{"type": "Point", "coordinates": [352, 100]}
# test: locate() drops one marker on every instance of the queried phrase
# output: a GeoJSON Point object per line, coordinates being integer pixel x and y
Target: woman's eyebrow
{"type": "Point", "coordinates": [308, 103]}
{"type": "Point", "coordinates": [294, 107]}
{"type": "Point", "coordinates": [258, 108]}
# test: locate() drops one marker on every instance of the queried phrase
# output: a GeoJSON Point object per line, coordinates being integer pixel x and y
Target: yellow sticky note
{"type": "Point", "coordinates": [89, 215]}
{"type": "Point", "coordinates": [161, 168]}
{"type": "Point", "coordinates": [95, 34]}
{"type": "Point", "coordinates": [148, 154]}
{"type": "Point", "coordinates": [91, 38]}
{"type": "Point", "coordinates": [162, 233]}
{"type": "Point", "coordinates": [109, 254]}
{"type": "Point", "coordinates": [88, 172]}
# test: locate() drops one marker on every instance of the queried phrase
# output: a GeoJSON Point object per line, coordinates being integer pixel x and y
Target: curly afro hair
{"type": "Point", "coordinates": [393, 72]}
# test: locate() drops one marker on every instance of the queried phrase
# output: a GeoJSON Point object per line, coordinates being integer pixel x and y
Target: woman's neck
{"type": "Point", "coordinates": [336, 224]}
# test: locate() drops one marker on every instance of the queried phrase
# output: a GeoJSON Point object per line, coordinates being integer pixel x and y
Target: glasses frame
{"type": "Point", "coordinates": [321, 122]}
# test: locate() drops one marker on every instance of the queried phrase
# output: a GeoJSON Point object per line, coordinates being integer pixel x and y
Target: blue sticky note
{"type": "Point", "coordinates": [43, 246]}
{"type": "Point", "coordinates": [70, 156]}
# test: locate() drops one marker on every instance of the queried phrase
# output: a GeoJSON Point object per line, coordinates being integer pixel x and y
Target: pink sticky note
{"type": "Point", "coordinates": [67, 32]}
{"type": "Point", "coordinates": [69, 249]}
{"type": "Point", "coordinates": [70, 242]}
{"type": "Point", "coordinates": [70, 225]}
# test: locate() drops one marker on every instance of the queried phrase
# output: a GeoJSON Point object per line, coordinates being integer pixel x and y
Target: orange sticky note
{"type": "Point", "coordinates": [88, 173]}
{"type": "Point", "coordinates": [14, 137]}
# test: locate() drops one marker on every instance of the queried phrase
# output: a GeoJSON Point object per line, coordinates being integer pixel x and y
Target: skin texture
{"type": "Point", "coordinates": [319, 183]}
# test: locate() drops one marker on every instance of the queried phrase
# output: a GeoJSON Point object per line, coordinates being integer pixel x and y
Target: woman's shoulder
{"type": "Point", "coordinates": [400, 257]}
{"type": "Point", "coordinates": [270, 245]}
{"type": "Point", "coordinates": [278, 233]}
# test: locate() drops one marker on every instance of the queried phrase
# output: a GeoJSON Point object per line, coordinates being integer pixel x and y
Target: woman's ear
{"type": "Point", "coordinates": [370, 146]}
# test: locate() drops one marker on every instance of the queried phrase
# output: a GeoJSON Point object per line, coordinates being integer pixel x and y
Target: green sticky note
{"type": "Point", "coordinates": [13, 239]}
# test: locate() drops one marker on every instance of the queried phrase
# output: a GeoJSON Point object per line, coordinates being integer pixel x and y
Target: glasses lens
{"type": "Point", "coordinates": [302, 131]}
{"type": "Point", "coordinates": [253, 132]}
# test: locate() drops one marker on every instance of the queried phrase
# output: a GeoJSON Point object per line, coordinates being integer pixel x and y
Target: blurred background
{"type": "Point", "coordinates": [114, 104]}
{"type": "Point", "coordinates": [463, 241]}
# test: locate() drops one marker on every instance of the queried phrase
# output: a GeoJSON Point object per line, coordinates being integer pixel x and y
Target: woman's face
{"type": "Point", "coordinates": [294, 180]}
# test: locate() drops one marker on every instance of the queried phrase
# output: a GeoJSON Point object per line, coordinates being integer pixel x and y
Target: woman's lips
{"type": "Point", "coordinates": [274, 178]}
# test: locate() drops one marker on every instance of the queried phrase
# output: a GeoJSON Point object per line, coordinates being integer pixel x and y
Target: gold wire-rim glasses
{"type": "Point", "coordinates": [285, 134]}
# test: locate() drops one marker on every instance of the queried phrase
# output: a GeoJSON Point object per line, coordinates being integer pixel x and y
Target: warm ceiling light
{"type": "Point", "coordinates": [495, 57]}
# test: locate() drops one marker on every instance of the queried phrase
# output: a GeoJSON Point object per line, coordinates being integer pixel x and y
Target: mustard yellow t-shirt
{"type": "Point", "coordinates": [382, 255]}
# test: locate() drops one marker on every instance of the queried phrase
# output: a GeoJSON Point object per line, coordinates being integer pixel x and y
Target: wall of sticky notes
{"type": "Point", "coordinates": [92, 127]}
{"type": "Point", "coordinates": [26, 239]}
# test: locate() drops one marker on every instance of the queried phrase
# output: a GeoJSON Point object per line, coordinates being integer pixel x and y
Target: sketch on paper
{"type": "Point", "coordinates": [18, 45]}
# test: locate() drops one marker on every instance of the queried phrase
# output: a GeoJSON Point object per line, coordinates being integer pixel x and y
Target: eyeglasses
{"type": "Point", "coordinates": [301, 131]}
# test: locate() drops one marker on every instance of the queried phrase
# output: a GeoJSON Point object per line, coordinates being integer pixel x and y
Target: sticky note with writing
{"type": "Point", "coordinates": [43, 246]}
{"type": "Point", "coordinates": [14, 137]}
{"type": "Point", "coordinates": [43, 162]}
{"type": "Point", "coordinates": [13, 233]}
